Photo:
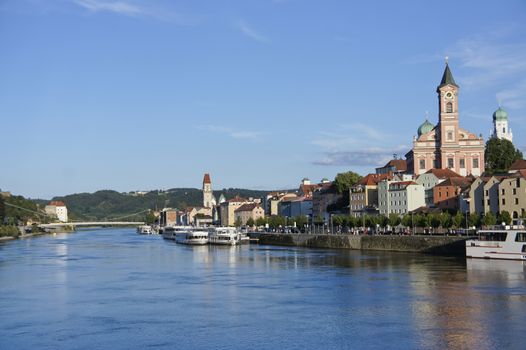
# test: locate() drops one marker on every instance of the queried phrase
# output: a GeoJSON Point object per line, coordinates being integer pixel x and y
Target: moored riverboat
{"type": "Point", "coordinates": [170, 232]}
{"type": "Point", "coordinates": [223, 236]}
{"type": "Point", "coordinates": [192, 237]}
{"type": "Point", "coordinates": [144, 230]}
{"type": "Point", "coordinates": [498, 244]}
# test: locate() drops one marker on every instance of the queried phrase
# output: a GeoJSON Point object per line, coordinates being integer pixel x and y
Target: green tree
{"type": "Point", "coordinates": [489, 219]}
{"type": "Point", "coordinates": [407, 220]}
{"type": "Point", "coordinates": [352, 221]}
{"type": "Point", "coordinates": [369, 221]}
{"type": "Point", "coordinates": [301, 221]}
{"type": "Point", "coordinates": [337, 220]}
{"type": "Point", "coordinates": [394, 220]}
{"type": "Point", "coordinates": [381, 220]}
{"type": "Point", "coordinates": [504, 217]}
{"type": "Point", "coordinates": [499, 155]}
{"type": "Point", "coordinates": [251, 222]}
{"type": "Point", "coordinates": [474, 220]}
{"type": "Point", "coordinates": [445, 220]}
{"type": "Point", "coordinates": [420, 220]}
{"type": "Point", "coordinates": [238, 222]}
{"type": "Point", "coordinates": [2, 210]}
{"type": "Point", "coordinates": [344, 181]}
{"type": "Point", "coordinates": [434, 220]}
{"type": "Point", "coordinates": [261, 221]}
{"type": "Point", "coordinates": [318, 220]}
{"type": "Point", "coordinates": [458, 220]}
{"type": "Point", "coordinates": [150, 218]}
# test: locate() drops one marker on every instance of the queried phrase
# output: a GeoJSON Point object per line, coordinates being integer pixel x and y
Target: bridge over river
{"type": "Point", "coordinates": [91, 224]}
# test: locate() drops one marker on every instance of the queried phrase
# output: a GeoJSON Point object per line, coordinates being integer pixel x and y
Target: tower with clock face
{"type": "Point", "coordinates": [448, 120]}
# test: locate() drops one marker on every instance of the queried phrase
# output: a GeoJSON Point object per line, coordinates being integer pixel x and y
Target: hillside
{"type": "Point", "coordinates": [107, 204]}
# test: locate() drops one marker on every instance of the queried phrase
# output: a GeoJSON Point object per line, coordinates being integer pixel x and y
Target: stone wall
{"type": "Point", "coordinates": [440, 245]}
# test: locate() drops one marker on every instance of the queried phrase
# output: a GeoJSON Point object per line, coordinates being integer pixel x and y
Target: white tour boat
{"type": "Point", "coordinates": [144, 230]}
{"type": "Point", "coordinates": [498, 244]}
{"type": "Point", "coordinates": [224, 236]}
{"type": "Point", "coordinates": [170, 232]}
{"type": "Point", "coordinates": [194, 237]}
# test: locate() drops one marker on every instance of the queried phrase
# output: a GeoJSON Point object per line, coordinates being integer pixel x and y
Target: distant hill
{"type": "Point", "coordinates": [107, 204]}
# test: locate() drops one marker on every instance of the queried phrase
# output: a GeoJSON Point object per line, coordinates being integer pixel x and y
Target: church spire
{"type": "Point", "coordinates": [447, 77]}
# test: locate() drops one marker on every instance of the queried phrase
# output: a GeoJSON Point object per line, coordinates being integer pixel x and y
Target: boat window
{"type": "Point", "coordinates": [493, 236]}
{"type": "Point", "coordinates": [521, 237]}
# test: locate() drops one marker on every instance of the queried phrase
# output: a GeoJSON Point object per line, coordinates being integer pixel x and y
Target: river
{"type": "Point", "coordinates": [115, 289]}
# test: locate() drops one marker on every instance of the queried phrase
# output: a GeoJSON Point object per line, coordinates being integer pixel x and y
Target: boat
{"type": "Point", "coordinates": [223, 236]}
{"type": "Point", "coordinates": [508, 244]}
{"type": "Point", "coordinates": [192, 237]}
{"type": "Point", "coordinates": [170, 232]}
{"type": "Point", "coordinates": [144, 230]}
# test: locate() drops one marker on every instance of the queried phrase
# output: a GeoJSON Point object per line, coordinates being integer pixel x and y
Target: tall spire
{"type": "Point", "coordinates": [447, 77]}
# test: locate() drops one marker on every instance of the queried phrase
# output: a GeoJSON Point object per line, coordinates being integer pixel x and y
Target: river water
{"type": "Point", "coordinates": [114, 289]}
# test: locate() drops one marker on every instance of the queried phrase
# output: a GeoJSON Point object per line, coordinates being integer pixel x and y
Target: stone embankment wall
{"type": "Point", "coordinates": [440, 245]}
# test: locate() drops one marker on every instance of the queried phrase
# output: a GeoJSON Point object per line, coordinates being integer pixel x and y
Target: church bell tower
{"type": "Point", "coordinates": [448, 116]}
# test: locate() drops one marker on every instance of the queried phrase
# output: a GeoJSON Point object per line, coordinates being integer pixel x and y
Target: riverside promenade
{"type": "Point", "coordinates": [437, 245]}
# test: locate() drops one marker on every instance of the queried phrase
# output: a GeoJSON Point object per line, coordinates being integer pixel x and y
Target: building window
{"type": "Point", "coordinates": [462, 163]}
{"type": "Point", "coordinates": [450, 163]}
{"type": "Point", "coordinates": [422, 163]}
{"type": "Point", "coordinates": [516, 201]}
{"type": "Point", "coordinates": [514, 191]}
{"type": "Point", "coordinates": [503, 130]}
{"type": "Point", "coordinates": [487, 192]}
{"type": "Point", "coordinates": [503, 191]}
{"type": "Point", "coordinates": [503, 201]}
{"type": "Point", "coordinates": [489, 203]}
{"type": "Point", "coordinates": [449, 135]}
{"type": "Point", "coordinates": [449, 107]}
{"type": "Point", "coordinates": [475, 163]}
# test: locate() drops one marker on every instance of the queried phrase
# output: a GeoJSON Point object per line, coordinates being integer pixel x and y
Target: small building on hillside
{"type": "Point", "coordinates": [446, 195]}
{"type": "Point", "coordinates": [299, 206]}
{"type": "Point", "coordinates": [227, 210]}
{"type": "Point", "coordinates": [57, 209]}
{"type": "Point", "coordinates": [394, 166]}
{"type": "Point", "coordinates": [399, 197]}
{"type": "Point", "coordinates": [248, 211]}
{"type": "Point", "coordinates": [431, 178]}
{"type": "Point", "coordinates": [168, 217]}
{"type": "Point", "coordinates": [363, 197]}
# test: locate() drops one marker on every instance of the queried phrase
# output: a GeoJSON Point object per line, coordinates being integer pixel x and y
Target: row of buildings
{"type": "Point", "coordinates": [444, 170]}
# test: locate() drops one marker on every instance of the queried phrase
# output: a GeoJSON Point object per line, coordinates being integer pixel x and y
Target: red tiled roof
{"type": "Point", "coordinates": [247, 207]}
{"type": "Point", "coordinates": [374, 179]}
{"type": "Point", "coordinates": [456, 181]}
{"type": "Point", "coordinates": [206, 179]}
{"type": "Point", "coordinates": [519, 164]}
{"type": "Point", "coordinates": [443, 173]}
{"type": "Point", "coordinates": [57, 203]}
{"type": "Point", "coordinates": [399, 164]}
{"type": "Point", "coordinates": [236, 199]}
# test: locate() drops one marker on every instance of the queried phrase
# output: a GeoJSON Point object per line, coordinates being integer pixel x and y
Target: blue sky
{"type": "Point", "coordinates": [133, 95]}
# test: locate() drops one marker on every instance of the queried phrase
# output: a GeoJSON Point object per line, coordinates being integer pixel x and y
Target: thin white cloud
{"type": "Point", "coordinates": [372, 156]}
{"type": "Point", "coordinates": [514, 97]}
{"type": "Point", "coordinates": [248, 31]}
{"type": "Point", "coordinates": [130, 9]}
{"type": "Point", "coordinates": [119, 7]}
{"type": "Point", "coordinates": [232, 132]}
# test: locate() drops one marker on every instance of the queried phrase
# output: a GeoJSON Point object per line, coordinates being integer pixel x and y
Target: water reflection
{"type": "Point", "coordinates": [117, 289]}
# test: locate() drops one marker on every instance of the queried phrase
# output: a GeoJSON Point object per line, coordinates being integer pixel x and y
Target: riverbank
{"type": "Point", "coordinates": [64, 229]}
{"type": "Point", "coordinates": [437, 245]}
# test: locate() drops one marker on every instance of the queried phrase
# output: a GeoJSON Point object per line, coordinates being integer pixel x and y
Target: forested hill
{"type": "Point", "coordinates": [111, 204]}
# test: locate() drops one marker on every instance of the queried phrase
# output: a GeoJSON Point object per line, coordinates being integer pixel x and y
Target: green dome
{"type": "Point", "coordinates": [500, 115]}
{"type": "Point", "coordinates": [425, 128]}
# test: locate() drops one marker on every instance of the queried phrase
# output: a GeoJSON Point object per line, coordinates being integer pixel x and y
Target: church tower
{"type": "Point", "coordinates": [448, 118]}
{"type": "Point", "coordinates": [501, 129]}
{"type": "Point", "coordinates": [208, 197]}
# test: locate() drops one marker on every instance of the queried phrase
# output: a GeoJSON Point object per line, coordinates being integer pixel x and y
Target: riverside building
{"type": "Point", "coordinates": [446, 145]}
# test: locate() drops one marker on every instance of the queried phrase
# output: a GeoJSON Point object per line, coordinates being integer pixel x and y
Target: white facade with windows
{"type": "Point", "coordinates": [399, 197]}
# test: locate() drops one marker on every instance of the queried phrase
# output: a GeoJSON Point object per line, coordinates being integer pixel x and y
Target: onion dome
{"type": "Point", "coordinates": [500, 115]}
{"type": "Point", "coordinates": [425, 128]}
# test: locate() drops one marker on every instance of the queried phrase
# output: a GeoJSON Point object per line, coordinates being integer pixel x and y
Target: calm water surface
{"type": "Point", "coordinates": [114, 289]}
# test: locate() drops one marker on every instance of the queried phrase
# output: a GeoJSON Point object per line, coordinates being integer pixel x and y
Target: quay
{"type": "Point", "coordinates": [436, 245]}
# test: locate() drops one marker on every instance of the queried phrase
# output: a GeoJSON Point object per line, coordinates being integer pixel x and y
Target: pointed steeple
{"type": "Point", "coordinates": [447, 78]}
